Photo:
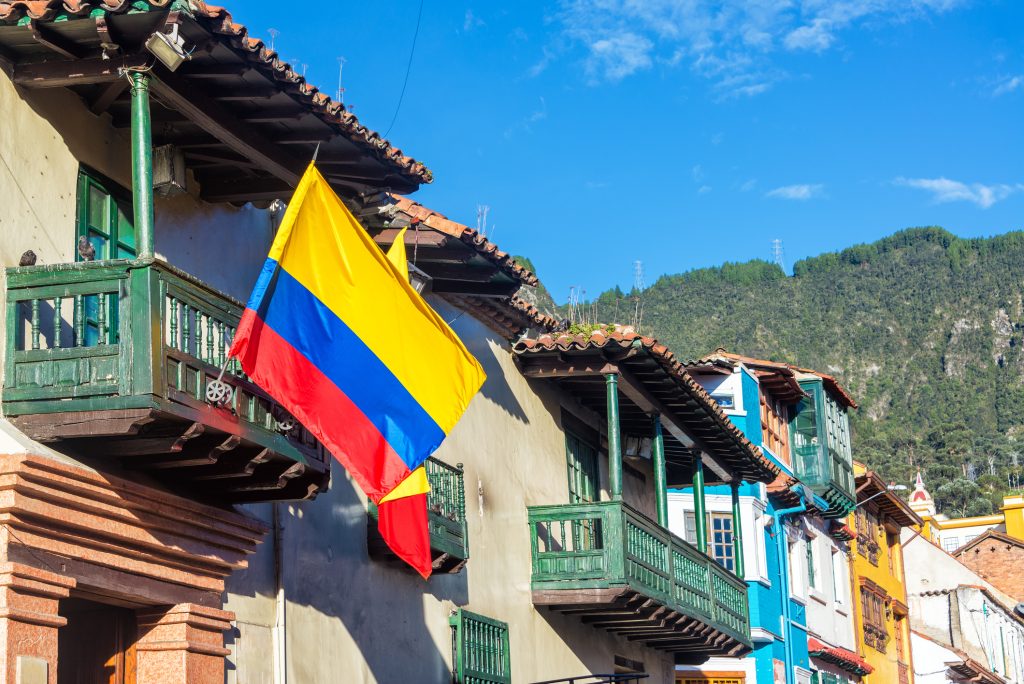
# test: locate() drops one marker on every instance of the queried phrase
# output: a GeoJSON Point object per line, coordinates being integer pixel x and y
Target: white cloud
{"type": "Point", "coordinates": [1008, 85]}
{"type": "Point", "coordinates": [748, 185]}
{"type": "Point", "coordinates": [732, 43]}
{"type": "Point", "coordinates": [946, 190]}
{"type": "Point", "coordinates": [698, 173]}
{"type": "Point", "coordinates": [704, 189]}
{"type": "Point", "coordinates": [472, 21]}
{"type": "Point", "coordinates": [526, 123]}
{"type": "Point", "coordinates": [797, 192]}
{"type": "Point", "coordinates": [616, 57]}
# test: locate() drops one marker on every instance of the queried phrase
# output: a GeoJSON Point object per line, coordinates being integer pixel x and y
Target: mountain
{"type": "Point", "coordinates": [924, 329]}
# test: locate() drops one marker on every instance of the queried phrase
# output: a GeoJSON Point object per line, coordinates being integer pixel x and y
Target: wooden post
{"type": "Point", "coordinates": [142, 164]}
{"type": "Point", "coordinates": [660, 485]}
{"type": "Point", "coordinates": [737, 531]}
{"type": "Point", "coordinates": [699, 507]}
{"type": "Point", "coordinates": [614, 437]}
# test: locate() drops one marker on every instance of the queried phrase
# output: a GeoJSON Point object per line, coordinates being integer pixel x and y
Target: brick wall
{"type": "Point", "coordinates": [999, 562]}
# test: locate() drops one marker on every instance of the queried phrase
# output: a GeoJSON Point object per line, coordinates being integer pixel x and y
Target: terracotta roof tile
{"type": "Point", "coordinates": [844, 658]}
{"type": "Point", "coordinates": [414, 211]}
{"type": "Point", "coordinates": [218, 20]}
{"type": "Point", "coordinates": [625, 337]}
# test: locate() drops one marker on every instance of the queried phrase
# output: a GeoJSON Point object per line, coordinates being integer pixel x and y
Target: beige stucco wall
{"type": "Point", "coordinates": [355, 620]}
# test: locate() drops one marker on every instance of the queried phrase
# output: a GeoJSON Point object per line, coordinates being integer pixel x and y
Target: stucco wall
{"type": "Point", "coordinates": [829, 607]}
{"type": "Point", "coordinates": [361, 621]}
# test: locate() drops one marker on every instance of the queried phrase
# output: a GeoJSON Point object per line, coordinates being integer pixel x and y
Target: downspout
{"type": "Point", "coordinates": [280, 613]}
{"type": "Point", "coordinates": [783, 555]}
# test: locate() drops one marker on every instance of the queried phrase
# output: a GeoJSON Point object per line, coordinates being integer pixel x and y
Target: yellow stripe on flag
{"type": "Point", "coordinates": [396, 254]}
{"type": "Point", "coordinates": [415, 483]}
{"type": "Point", "coordinates": [329, 253]}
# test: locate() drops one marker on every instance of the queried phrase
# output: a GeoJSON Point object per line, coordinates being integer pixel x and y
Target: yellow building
{"type": "Point", "coordinates": [880, 614]}
{"type": "Point", "coordinates": [954, 533]}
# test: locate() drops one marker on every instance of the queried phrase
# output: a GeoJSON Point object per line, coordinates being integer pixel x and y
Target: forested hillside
{"type": "Point", "coordinates": [924, 328]}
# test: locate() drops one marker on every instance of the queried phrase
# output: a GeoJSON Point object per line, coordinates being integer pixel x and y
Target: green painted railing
{"type": "Point", "coordinates": [446, 504]}
{"type": "Point", "coordinates": [123, 334]}
{"type": "Point", "coordinates": [606, 544]}
{"type": "Point", "coordinates": [828, 474]}
{"type": "Point", "coordinates": [480, 652]}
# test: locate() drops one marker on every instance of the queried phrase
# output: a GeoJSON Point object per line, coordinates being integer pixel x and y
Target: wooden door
{"type": "Point", "coordinates": [97, 646]}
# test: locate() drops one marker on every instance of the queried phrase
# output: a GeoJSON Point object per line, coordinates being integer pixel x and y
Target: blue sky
{"type": "Point", "coordinates": [685, 133]}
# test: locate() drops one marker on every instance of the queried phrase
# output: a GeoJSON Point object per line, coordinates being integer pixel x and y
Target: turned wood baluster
{"type": "Point", "coordinates": [35, 324]}
{"type": "Point", "coordinates": [79, 315]}
{"type": "Point", "coordinates": [57, 307]}
{"type": "Point", "coordinates": [102, 318]}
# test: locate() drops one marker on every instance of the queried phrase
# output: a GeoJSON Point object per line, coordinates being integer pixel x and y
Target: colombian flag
{"type": "Point", "coordinates": [334, 332]}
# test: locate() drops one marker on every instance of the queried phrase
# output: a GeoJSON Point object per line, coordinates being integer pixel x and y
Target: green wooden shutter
{"type": "Point", "coordinates": [480, 653]}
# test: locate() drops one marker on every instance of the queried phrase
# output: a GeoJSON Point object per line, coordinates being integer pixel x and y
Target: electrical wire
{"type": "Point", "coordinates": [408, 68]}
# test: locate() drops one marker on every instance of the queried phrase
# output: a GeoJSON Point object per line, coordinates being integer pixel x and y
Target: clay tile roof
{"type": "Point", "coordinates": [778, 378]}
{"type": "Point", "coordinates": [832, 384]}
{"type": "Point", "coordinates": [414, 211]}
{"type": "Point", "coordinates": [869, 485]}
{"type": "Point", "coordinates": [510, 317]}
{"type": "Point", "coordinates": [218, 20]}
{"type": "Point", "coordinates": [988, 535]}
{"type": "Point", "coordinates": [846, 659]}
{"type": "Point", "coordinates": [761, 467]}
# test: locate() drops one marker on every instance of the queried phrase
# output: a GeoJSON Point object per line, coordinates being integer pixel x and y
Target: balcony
{"type": "Point", "coordinates": [110, 360]}
{"type": "Point", "coordinates": [446, 520]}
{"type": "Point", "coordinates": [620, 571]}
{"type": "Point", "coordinates": [828, 475]}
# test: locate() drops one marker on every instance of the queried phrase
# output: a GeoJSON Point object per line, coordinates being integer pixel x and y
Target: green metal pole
{"type": "Point", "coordinates": [142, 164]}
{"type": "Point", "coordinates": [699, 506]}
{"type": "Point", "coordinates": [737, 531]}
{"type": "Point", "coordinates": [614, 437]}
{"type": "Point", "coordinates": [660, 486]}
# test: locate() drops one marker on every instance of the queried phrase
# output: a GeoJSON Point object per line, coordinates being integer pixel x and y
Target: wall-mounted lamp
{"type": "Point", "coordinates": [169, 48]}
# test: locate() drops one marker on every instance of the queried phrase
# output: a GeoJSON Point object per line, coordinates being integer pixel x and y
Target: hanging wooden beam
{"type": "Point", "coordinates": [44, 35]}
{"type": "Point", "coordinates": [108, 96]}
{"type": "Point", "coordinates": [74, 73]}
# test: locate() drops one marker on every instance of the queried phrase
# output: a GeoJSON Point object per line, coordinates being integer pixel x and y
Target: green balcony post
{"type": "Point", "coordinates": [660, 486]}
{"type": "Point", "coordinates": [699, 505]}
{"type": "Point", "coordinates": [737, 530]}
{"type": "Point", "coordinates": [614, 437]}
{"type": "Point", "coordinates": [142, 164]}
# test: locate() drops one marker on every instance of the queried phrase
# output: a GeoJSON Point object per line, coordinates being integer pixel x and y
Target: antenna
{"type": "Point", "coordinates": [481, 218]}
{"type": "Point", "coordinates": [341, 91]}
{"type": "Point", "coordinates": [638, 294]}
{"type": "Point", "coordinates": [274, 33]}
{"type": "Point", "coordinates": [777, 254]}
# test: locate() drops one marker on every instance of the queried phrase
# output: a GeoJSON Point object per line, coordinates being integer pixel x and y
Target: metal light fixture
{"type": "Point", "coordinates": [419, 280]}
{"type": "Point", "coordinates": [169, 48]}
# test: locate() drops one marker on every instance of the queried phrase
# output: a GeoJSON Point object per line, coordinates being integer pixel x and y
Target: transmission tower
{"type": "Point", "coordinates": [777, 254]}
{"type": "Point", "coordinates": [341, 90]}
{"type": "Point", "coordinates": [638, 275]}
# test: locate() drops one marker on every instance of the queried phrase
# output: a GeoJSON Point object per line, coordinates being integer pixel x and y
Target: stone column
{"type": "Point", "coordinates": [29, 620]}
{"type": "Point", "coordinates": [182, 644]}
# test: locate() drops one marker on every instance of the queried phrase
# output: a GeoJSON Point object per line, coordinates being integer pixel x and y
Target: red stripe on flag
{"type": "Point", "coordinates": [403, 525]}
{"type": "Point", "coordinates": [316, 402]}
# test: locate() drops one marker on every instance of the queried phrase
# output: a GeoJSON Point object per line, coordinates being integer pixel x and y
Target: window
{"type": "Point", "coordinates": [690, 527]}
{"type": "Point", "coordinates": [812, 580]}
{"type": "Point", "coordinates": [839, 586]}
{"type": "Point", "coordinates": [721, 540]}
{"type": "Point", "coordinates": [950, 544]}
{"type": "Point", "coordinates": [726, 401]}
{"type": "Point", "coordinates": [581, 462]}
{"type": "Point", "coordinates": [827, 678]}
{"type": "Point", "coordinates": [105, 217]}
{"type": "Point", "coordinates": [796, 572]}
{"type": "Point", "coordinates": [760, 551]}
{"type": "Point", "coordinates": [480, 651]}
{"type": "Point", "coordinates": [873, 619]}
{"type": "Point", "coordinates": [893, 552]}
{"type": "Point", "coordinates": [775, 426]}
{"type": "Point", "coordinates": [867, 535]}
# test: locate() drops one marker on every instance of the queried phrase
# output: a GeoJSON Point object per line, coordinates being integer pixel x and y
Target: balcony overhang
{"type": "Point", "coordinates": [247, 123]}
{"type": "Point", "coordinates": [651, 382]}
{"type": "Point", "coordinates": [614, 569]}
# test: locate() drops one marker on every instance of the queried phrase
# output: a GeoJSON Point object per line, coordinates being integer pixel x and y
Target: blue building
{"type": "Point", "coordinates": [770, 402]}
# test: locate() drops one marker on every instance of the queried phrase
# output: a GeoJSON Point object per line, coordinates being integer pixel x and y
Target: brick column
{"type": "Point", "coordinates": [29, 621]}
{"type": "Point", "coordinates": [182, 644]}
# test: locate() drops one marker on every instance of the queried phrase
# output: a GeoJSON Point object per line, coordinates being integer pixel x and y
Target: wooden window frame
{"type": "Point", "coordinates": [775, 426]}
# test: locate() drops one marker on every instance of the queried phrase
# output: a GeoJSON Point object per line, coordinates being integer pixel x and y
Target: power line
{"type": "Point", "coordinates": [408, 68]}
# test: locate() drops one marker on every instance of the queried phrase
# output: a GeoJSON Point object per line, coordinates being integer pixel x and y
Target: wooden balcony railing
{"type": "Point", "coordinates": [610, 555]}
{"type": "Point", "coordinates": [111, 359]}
{"type": "Point", "coordinates": [446, 518]}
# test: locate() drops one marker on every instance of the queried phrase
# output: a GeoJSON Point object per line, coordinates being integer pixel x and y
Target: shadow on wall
{"type": "Point", "coordinates": [344, 609]}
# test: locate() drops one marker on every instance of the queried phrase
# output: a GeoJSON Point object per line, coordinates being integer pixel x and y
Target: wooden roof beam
{"type": "Point", "coordinates": [44, 35]}
{"type": "Point", "coordinates": [209, 115]}
{"type": "Point", "coordinates": [651, 405]}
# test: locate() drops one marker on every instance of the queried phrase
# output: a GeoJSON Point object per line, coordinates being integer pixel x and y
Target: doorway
{"type": "Point", "coordinates": [97, 646]}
